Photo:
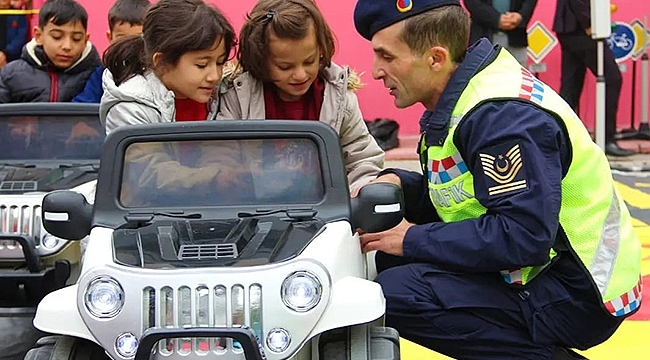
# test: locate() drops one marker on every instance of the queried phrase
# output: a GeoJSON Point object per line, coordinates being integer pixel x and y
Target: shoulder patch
{"type": "Point", "coordinates": [504, 170]}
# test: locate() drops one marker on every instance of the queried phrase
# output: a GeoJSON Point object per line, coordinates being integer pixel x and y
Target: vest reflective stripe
{"type": "Point", "coordinates": [593, 216]}
{"type": "Point", "coordinates": [607, 251]}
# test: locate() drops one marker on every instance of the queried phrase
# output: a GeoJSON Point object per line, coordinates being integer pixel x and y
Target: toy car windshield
{"type": "Point", "coordinates": [199, 173]}
{"type": "Point", "coordinates": [50, 137]}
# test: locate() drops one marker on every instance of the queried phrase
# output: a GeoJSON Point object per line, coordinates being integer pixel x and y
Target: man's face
{"type": "Point", "coordinates": [406, 75]}
{"type": "Point", "coordinates": [63, 44]}
{"type": "Point", "coordinates": [123, 29]}
{"type": "Point", "coordinates": [5, 4]}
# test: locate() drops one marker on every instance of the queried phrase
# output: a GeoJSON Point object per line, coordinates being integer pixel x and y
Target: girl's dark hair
{"type": "Point", "coordinates": [288, 19]}
{"type": "Point", "coordinates": [172, 28]}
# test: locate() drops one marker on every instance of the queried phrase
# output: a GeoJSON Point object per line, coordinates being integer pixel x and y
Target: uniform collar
{"type": "Point", "coordinates": [436, 123]}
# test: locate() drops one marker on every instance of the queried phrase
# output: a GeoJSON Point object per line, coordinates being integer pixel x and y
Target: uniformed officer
{"type": "Point", "coordinates": [515, 243]}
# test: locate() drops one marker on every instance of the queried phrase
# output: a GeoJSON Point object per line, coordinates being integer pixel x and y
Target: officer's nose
{"type": "Point", "coordinates": [378, 72]}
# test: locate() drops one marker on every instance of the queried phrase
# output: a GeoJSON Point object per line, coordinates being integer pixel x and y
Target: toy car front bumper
{"type": "Point", "coordinates": [243, 335]}
{"type": "Point", "coordinates": [21, 289]}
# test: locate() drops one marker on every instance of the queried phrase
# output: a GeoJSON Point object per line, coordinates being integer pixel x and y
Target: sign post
{"type": "Point", "coordinates": [644, 131]}
{"type": "Point", "coordinates": [600, 31]}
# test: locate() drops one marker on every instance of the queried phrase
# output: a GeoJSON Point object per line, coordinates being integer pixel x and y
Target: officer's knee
{"type": "Point", "coordinates": [395, 279]}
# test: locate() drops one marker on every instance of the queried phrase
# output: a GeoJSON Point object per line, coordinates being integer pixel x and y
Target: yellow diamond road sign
{"type": "Point", "coordinates": [540, 41]}
{"type": "Point", "coordinates": [638, 27]}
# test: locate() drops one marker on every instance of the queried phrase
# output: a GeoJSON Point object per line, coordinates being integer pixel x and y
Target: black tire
{"type": "Point", "coordinates": [65, 348]}
{"type": "Point", "coordinates": [17, 336]}
{"type": "Point", "coordinates": [383, 343]}
{"type": "Point", "coordinates": [334, 344]}
{"type": "Point", "coordinates": [335, 351]}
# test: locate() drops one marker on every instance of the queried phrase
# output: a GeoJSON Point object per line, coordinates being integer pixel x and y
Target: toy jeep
{"type": "Point", "coordinates": [220, 240]}
{"type": "Point", "coordinates": [43, 147]}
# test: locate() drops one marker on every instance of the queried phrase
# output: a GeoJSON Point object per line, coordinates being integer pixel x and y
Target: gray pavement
{"type": "Point", "coordinates": [634, 163]}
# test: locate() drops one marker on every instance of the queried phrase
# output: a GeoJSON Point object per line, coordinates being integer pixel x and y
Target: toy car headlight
{"type": "Point", "coordinates": [104, 297]}
{"type": "Point", "coordinates": [49, 242]}
{"type": "Point", "coordinates": [126, 345]}
{"type": "Point", "coordinates": [278, 340]}
{"type": "Point", "coordinates": [301, 291]}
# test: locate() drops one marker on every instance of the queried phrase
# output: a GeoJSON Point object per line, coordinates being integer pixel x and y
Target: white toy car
{"type": "Point", "coordinates": [43, 147]}
{"type": "Point", "coordinates": [220, 240]}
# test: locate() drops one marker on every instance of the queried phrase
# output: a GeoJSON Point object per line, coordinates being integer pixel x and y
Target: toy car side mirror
{"type": "Point", "coordinates": [67, 215]}
{"type": "Point", "coordinates": [378, 207]}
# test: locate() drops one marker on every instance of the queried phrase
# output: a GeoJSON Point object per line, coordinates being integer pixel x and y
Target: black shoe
{"type": "Point", "coordinates": [612, 149]}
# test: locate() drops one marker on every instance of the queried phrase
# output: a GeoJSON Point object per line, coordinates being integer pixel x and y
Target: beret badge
{"type": "Point", "coordinates": [404, 5]}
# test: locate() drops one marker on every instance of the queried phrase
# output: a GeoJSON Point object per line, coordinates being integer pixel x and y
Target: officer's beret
{"type": "Point", "coordinates": [371, 16]}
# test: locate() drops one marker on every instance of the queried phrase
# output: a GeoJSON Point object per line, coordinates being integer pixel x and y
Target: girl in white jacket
{"type": "Point", "coordinates": [171, 71]}
{"type": "Point", "coordinates": [168, 74]}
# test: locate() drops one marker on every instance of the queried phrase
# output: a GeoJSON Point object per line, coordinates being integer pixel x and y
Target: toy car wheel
{"type": "Point", "coordinates": [334, 344]}
{"type": "Point", "coordinates": [65, 348]}
{"type": "Point", "coordinates": [337, 350]}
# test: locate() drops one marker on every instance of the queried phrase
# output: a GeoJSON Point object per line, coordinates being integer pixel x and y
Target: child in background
{"type": "Point", "coordinates": [55, 65]}
{"type": "Point", "coordinates": [124, 19]}
{"type": "Point", "coordinates": [285, 54]}
{"type": "Point", "coordinates": [21, 4]}
{"type": "Point", "coordinates": [14, 36]}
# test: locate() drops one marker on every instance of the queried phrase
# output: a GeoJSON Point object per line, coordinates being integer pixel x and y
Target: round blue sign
{"type": "Point", "coordinates": [622, 41]}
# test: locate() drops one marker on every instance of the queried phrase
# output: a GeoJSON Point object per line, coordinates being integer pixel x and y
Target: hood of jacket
{"type": "Point", "coordinates": [144, 89]}
{"type": "Point", "coordinates": [35, 56]}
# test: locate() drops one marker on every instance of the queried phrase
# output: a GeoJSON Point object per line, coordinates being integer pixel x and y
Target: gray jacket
{"type": "Point", "coordinates": [243, 98]}
{"type": "Point", "coordinates": [142, 99]}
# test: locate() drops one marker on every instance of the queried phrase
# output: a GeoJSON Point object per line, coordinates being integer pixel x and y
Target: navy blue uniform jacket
{"type": "Point", "coordinates": [519, 228]}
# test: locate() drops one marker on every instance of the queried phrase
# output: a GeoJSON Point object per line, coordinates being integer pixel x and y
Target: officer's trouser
{"type": "Point", "coordinates": [479, 316]}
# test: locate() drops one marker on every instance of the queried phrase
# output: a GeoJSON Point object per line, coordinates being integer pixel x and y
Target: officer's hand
{"type": "Point", "coordinates": [389, 241]}
{"type": "Point", "coordinates": [231, 178]}
{"type": "Point", "coordinates": [79, 131]}
{"type": "Point", "coordinates": [386, 178]}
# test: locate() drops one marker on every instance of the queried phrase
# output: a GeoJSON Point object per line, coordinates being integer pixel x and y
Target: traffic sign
{"type": "Point", "coordinates": [540, 41]}
{"type": "Point", "coordinates": [622, 41]}
{"type": "Point", "coordinates": [638, 28]}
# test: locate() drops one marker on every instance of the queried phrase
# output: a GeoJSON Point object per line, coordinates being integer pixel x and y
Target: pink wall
{"type": "Point", "coordinates": [356, 52]}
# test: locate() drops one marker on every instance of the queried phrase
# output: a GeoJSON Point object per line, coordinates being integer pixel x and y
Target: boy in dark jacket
{"type": "Point", "coordinates": [55, 65]}
{"type": "Point", "coordinates": [124, 19]}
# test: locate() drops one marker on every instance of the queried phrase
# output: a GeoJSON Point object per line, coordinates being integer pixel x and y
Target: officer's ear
{"type": "Point", "coordinates": [438, 56]}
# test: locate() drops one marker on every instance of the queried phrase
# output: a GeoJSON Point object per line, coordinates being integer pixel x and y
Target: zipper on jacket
{"type": "Point", "coordinates": [54, 85]}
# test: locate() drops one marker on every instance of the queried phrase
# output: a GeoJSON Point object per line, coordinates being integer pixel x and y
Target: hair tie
{"type": "Point", "coordinates": [270, 14]}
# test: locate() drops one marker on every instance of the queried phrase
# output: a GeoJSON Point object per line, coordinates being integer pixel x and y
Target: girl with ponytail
{"type": "Point", "coordinates": [170, 72]}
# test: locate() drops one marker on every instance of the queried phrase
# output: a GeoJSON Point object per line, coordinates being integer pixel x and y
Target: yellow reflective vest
{"type": "Point", "coordinates": [592, 213]}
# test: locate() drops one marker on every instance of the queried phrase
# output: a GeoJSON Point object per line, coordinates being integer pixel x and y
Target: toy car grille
{"type": "Point", "coordinates": [18, 219]}
{"type": "Point", "coordinates": [18, 186]}
{"type": "Point", "coordinates": [202, 306]}
{"type": "Point", "coordinates": [207, 252]}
